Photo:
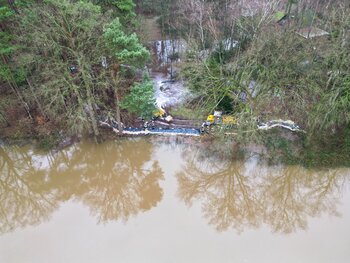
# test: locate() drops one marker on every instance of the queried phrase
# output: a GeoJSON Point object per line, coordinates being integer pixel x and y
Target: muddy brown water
{"type": "Point", "coordinates": [141, 200]}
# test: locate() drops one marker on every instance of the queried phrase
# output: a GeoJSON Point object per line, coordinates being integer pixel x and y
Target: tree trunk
{"type": "Point", "coordinates": [120, 126]}
{"type": "Point", "coordinates": [90, 99]}
{"type": "Point", "coordinates": [36, 98]}
{"type": "Point", "coordinates": [115, 82]}
{"type": "Point", "coordinates": [81, 104]}
{"type": "Point", "coordinates": [92, 114]}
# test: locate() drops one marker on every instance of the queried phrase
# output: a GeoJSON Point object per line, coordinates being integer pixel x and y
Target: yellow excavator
{"type": "Point", "coordinates": [159, 113]}
{"type": "Point", "coordinates": [229, 120]}
{"type": "Point", "coordinates": [218, 119]}
{"type": "Point", "coordinates": [162, 115]}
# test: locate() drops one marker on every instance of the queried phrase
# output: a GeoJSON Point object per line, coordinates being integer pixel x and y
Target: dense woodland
{"type": "Point", "coordinates": [62, 63]}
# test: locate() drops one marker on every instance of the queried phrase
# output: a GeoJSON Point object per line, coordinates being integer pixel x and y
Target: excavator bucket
{"type": "Point", "coordinates": [159, 113]}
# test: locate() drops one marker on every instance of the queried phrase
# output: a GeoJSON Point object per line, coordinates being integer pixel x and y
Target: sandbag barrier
{"type": "Point", "coordinates": [290, 125]}
{"type": "Point", "coordinates": [160, 131]}
{"type": "Point", "coordinates": [151, 131]}
{"type": "Point", "coordinates": [286, 124]}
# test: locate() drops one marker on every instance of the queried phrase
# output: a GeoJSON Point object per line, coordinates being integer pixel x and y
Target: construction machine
{"type": "Point", "coordinates": [218, 119]}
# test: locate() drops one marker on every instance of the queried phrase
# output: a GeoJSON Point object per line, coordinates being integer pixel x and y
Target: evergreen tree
{"type": "Point", "coordinates": [125, 49]}
{"type": "Point", "coordinates": [141, 99]}
{"type": "Point", "coordinates": [124, 9]}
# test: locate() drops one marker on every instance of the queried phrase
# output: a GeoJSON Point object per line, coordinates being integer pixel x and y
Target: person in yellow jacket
{"type": "Point", "coordinates": [211, 119]}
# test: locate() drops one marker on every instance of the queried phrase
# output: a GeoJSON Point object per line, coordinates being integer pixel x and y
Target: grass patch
{"type": "Point", "coordinates": [188, 113]}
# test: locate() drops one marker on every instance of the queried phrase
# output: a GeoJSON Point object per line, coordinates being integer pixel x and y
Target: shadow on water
{"type": "Point", "coordinates": [247, 193]}
{"type": "Point", "coordinates": [116, 181]}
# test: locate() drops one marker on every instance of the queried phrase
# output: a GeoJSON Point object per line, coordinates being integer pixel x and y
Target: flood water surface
{"type": "Point", "coordinates": [141, 200]}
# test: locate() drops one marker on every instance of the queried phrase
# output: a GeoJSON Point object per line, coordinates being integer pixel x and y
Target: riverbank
{"type": "Point", "coordinates": [276, 146]}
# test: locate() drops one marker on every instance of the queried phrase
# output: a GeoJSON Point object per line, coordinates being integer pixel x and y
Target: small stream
{"type": "Point", "coordinates": [169, 89]}
{"type": "Point", "coordinates": [168, 92]}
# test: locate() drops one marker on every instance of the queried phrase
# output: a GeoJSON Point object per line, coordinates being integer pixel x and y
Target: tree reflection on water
{"type": "Point", "coordinates": [246, 192]}
{"type": "Point", "coordinates": [24, 199]}
{"type": "Point", "coordinates": [115, 180]}
{"type": "Point", "coordinates": [122, 180]}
